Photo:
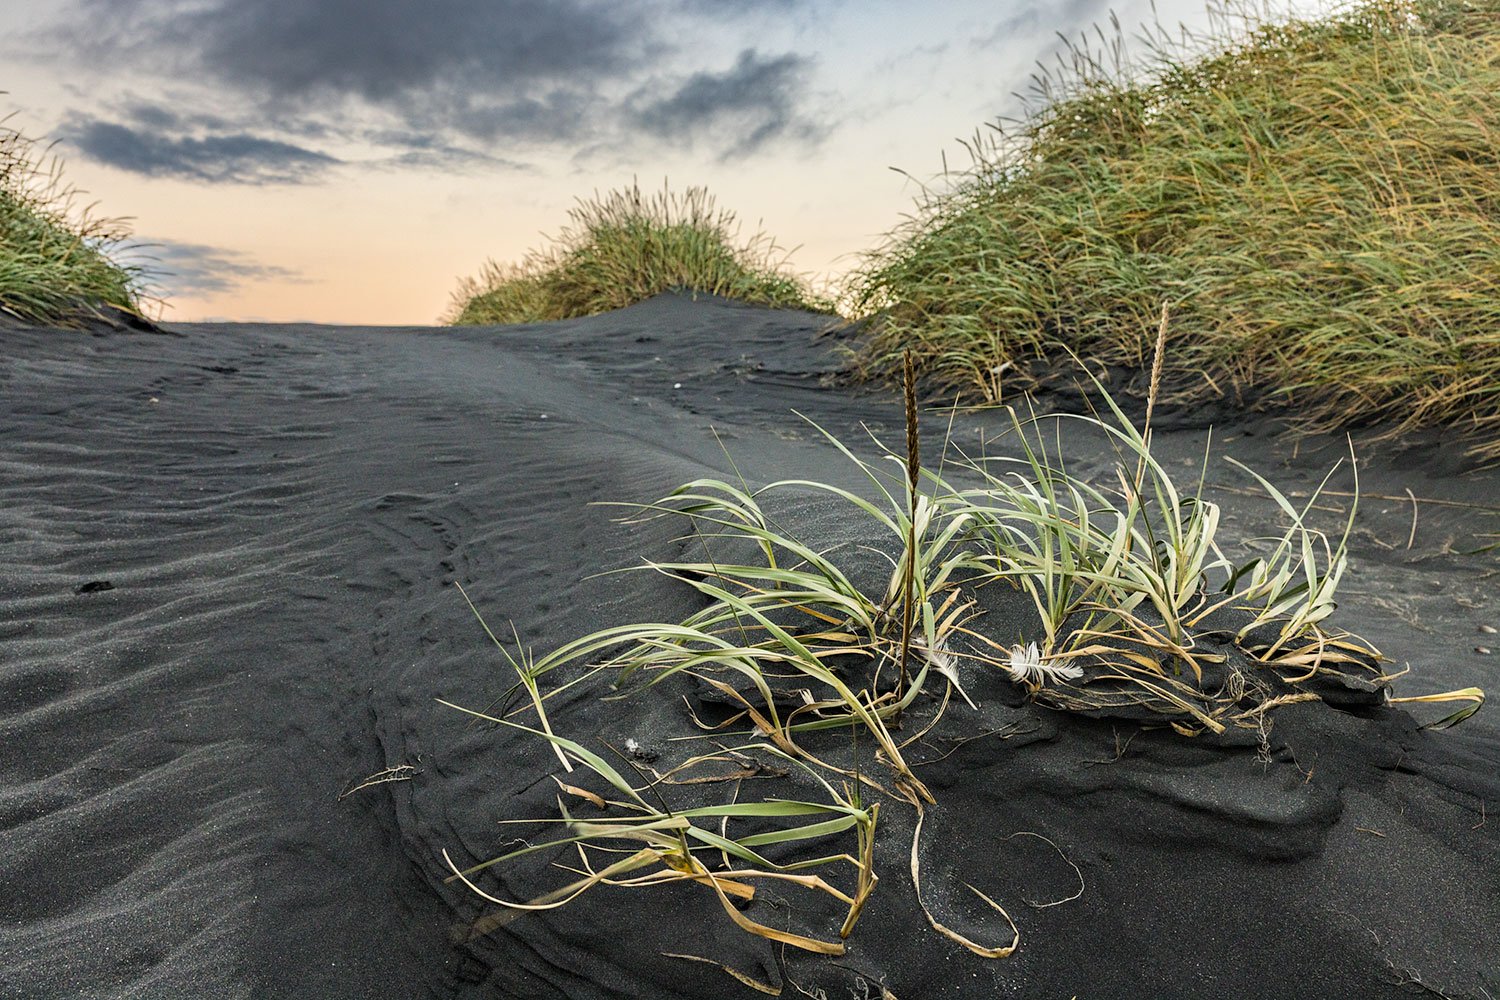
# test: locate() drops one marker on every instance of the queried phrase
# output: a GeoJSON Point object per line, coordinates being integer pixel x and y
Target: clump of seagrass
{"type": "Point", "coordinates": [623, 247]}
{"type": "Point", "coordinates": [1139, 612]}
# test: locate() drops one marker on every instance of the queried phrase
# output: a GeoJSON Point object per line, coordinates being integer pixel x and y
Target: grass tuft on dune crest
{"type": "Point", "coordinates": [54, 259]}
{"type": "Point", "coordinates": [1318, 201]}
{"type": "Point", "coordinates": [624, 247]}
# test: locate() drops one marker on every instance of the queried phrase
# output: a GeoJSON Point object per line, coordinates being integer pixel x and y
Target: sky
{"type": "Point", "coordinates": [349, 160]}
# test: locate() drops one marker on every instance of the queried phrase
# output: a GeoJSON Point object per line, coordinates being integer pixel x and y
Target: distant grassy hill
{"type": "Point", "coordinates": [624, 247]}
{"type": "Point", "coordinates": [54, 261]}
{"type": "Point", "coordinates": [1317, 203]}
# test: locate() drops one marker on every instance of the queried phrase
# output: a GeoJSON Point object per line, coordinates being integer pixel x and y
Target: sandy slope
{"type": "Point", "coordinates": [279, 511]}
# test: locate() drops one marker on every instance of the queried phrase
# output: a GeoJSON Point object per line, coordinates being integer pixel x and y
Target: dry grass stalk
{"type": "Point", "coordinates": [913, 481]}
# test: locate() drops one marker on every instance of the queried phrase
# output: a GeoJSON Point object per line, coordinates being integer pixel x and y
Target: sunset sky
{"type": "Point", "coordinates": [347, 160]}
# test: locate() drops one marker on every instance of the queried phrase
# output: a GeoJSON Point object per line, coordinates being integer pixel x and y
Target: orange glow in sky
{"type": "Point", "coordinates": [348, 162]}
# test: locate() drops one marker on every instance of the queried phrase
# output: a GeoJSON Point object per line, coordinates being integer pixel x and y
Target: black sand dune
{"type": "Point", "coordinates": [225, 567]}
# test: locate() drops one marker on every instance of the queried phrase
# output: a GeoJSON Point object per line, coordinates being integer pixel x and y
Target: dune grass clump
{"type": "Point", "coordinates": [624, 247]}
{"type": "Point", "coordinates": [1319, 200]}
{"type": "Point", "coordinates": [54, 260]}
{"type": "Point", "coordinates": [1124, 602]}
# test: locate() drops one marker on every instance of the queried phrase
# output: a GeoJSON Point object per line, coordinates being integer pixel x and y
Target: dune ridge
{"type": "Point", "coordinates": [280, 511]}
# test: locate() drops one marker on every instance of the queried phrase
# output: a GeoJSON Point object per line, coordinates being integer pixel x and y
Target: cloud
{"type": "Point", "coordinates": [435, 60]}
{"type": "Point", "coordinates": [420, 150]}
{"type": "Point", "coordinates": [562, 115]}
{"type": "Point", "coordinates": [471, 75]}
{"type": "Point", "coordinates": [729, 8]}
{"type": "Point", "coordinates": [234, 157]}
{"type": "Point", "coordinates": [1066, 18]}
{"type": "Point", "coordinates": [152, 139]}
{"type": "Point", "coordinates": [193, 269]}
{"type": "Point", "coordinates": [755, 101]}
{"type": "Point", "coordinates": [382, 50]}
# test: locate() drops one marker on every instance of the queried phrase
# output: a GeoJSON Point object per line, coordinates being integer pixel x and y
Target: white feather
{"type": "Point", "coordinates": [1026, 666]}
{"type": "Point", "coordinates": [943, 663]}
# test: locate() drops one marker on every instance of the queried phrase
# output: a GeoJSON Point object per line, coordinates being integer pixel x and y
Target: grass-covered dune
{"type": "Point", "coordinates": [54, 261]}
{"type": "Point", "coordinates": [1317, 204]}
{"type": "Point", "coordinates": [624, 247]}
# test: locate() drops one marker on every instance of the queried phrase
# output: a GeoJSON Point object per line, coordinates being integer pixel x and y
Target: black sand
{"type": "Point", "coordinates": [225, 558]}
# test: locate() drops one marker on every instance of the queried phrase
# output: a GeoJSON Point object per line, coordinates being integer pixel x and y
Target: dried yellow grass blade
{"type": "Point", "coordinates": [744, 923]}
{"type": "Point", "coordinates": [582, 793]}
{"type": "Point", "coordinates": [805, 881]}
{"type": "Point", "coordinates": [983, 951]}
{"type": "Point", "coordinates": [561, 897]}
{"type": "Point", "coordinates": [867, 877]}
{"type": "Point", "coordinates": [769, 729]}
{"type": "Point", "coordinates": [754, 984]}
{"type": "Point", "coordinates": [1473, 695]}
{"type": "Point", "coordinates": [737, 889]}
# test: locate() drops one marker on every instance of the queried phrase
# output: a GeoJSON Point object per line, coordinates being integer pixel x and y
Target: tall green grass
{"type": "Point", "coordinates": [54, 258]}
{"type": "Point", "coordinates": [623, 247]}
{"type": "Point", "coordinates": [1317, 200]}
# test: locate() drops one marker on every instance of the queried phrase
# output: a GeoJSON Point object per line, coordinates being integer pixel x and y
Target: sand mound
{"type": "Point", "coordinates": [278, 513]}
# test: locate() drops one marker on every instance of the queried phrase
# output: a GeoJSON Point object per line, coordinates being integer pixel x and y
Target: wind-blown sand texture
{"type": "Point", "coordinates": [278, 513]}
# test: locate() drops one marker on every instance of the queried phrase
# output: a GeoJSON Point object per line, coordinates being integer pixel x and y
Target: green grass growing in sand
{"type": "Point", "coordinates": [1317, 200]}
{"type": "Point", "coordinates": [54, 259]}
{"type": "Point", "coordinates": [623, 247]}
{"type": "Point", "coordinates": [1130, 602]}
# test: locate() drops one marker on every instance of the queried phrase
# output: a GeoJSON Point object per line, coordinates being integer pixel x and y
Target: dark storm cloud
{"type": "Point", "coordinates": [152, 116]}
{"type": "Point", "coordinates": [521, 69]}
{"type": "Point", "coordinates": [180, 269]}
{"type": "Point", "coordinates": [384, 51]}
{"type": "Point", "coordinates": [562, 115]}
{"type": "Point", "coordinates": [743, 108]}
{"type": "Point", "coordinates": [239, 158]}
{"type": "Point", "coordinates": [173, 115]}
{"type": "Point", "coordinates": [285, 78]}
